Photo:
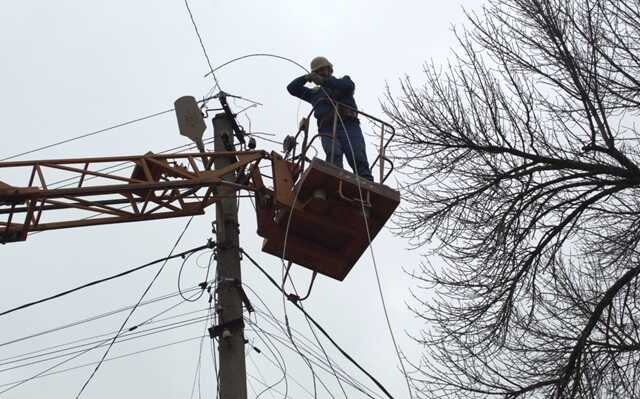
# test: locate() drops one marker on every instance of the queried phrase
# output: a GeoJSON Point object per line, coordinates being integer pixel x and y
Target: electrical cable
{"type": "Point", "coordinates": [255, 365]}
{"type": "Point", "coordinates": [94, 318]}
{"type": "Point", "coordinates": [52, 349]}
{"type": "Point", "coordinates": [215, 367]}
{"type": "Point", "coordinates": [46, 374]}
{"type": "Point", "coordinates": [155, 277]}
{"type": "Point", "coordinates": [198, 260]}
{"type": "Point", "coordinates": [93, 133]}
{"type": "Point", "coordinates": [322, 330]}
{"type": "Point", "coordinates": [161, 312]}
{"type": "Point", "coordinates": [297, 350]}
{"type": "Point", "coordinates": [313, 373]}
{"type": "Point", "coordinates": [271, 347]}
{"type": "Point", "coordinates": [216, 69]}
{"type": "Point", "coordinates": [253, 389]}
{"type": "Point", "coordinates": [284, 331]}
{"type": "Point", "coordinates": [196, 376]}
{"type": "Point", "coordinates": [317, 361]}
{"type": "Point", "coordinates": [206, 278]}
{"type": "Point", "coordinates": [213, 340]}
{"type": "Point", "coordinates": [318, 358]}
{"type": "Point", "coordinates": [103, 280]}
{"type": "Point", "coordinates": [121, 338]}
{"type": "Point", "coordinates": [46, 371]}
{"type": "Point", "coordinates": [299, 300]}
{"type": "Point", "coordinates": [284, 395]}
{"type": "Point", "coordinates": [103, 130]}
{"type": "Point", "coordinates": [204, 49]}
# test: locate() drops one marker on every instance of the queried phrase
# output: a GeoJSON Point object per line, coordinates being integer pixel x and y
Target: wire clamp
{"type": "Point", "coordinates": [219, 330]}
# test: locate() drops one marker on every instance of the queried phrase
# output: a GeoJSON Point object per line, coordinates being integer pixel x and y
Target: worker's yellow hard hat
{"type": "Point", "coordinates": [319, 62]}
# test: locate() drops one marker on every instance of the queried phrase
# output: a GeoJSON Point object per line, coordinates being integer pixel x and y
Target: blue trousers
{"type": "Point", "coordinates": [357, 159]}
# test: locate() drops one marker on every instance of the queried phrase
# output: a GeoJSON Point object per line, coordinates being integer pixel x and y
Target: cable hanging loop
{"type": "Point", "coordinates": [295, 298]}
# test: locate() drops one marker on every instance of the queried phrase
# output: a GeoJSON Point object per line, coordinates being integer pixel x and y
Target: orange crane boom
{"type": "Point", "coordinates": [89, 191]}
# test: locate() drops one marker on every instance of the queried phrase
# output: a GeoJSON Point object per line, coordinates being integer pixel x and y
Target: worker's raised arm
{"type": "Point", "coordinates": [345, 85]}
{"type": "Point", "coordinates": [297, 89]}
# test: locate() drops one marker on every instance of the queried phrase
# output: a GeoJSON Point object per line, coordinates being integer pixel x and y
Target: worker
{"type": "Point", "coordinates": [328, 94]}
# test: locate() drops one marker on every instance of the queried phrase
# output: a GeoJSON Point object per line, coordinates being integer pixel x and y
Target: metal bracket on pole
{"type": "Point", "coordinates": [243, 295]}
{"type": "Point", "coordinates": [218, 331]}
{"type": "Point", "coordinates": [237, 129]}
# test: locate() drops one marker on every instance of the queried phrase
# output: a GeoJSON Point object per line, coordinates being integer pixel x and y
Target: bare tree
{"type": "Point", "coordinates": [522, 163]}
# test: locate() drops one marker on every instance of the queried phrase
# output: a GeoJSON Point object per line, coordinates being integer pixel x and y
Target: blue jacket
{"type": "Point", "coordinates": [341, 90]}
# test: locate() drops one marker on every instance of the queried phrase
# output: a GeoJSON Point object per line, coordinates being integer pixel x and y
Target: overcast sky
{"type": "Point", "coordinates": [69, 67]}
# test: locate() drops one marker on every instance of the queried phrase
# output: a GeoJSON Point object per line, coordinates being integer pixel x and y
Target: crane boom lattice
{"type": "Point", "coordinates": [159, 187]}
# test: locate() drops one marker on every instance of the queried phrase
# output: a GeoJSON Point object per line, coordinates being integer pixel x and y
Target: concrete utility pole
{"type": "Point", "coordinates": [230, 328]}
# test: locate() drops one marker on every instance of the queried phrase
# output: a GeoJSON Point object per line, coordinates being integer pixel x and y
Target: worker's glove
{"type": "Point", "coordinates": [315, 78]}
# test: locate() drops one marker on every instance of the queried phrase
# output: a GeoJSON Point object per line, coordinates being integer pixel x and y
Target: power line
{"type": "Point", "coordinates": [322, 330]}
{"type": "Point", "coordinates": [271, 347]}
{"type": "Point", "coordinates": [67, 345]}
{"type": "Point", "coordinates": [257, 329]}
{"type": "Point", "coordinates": [317, 358]}
{"type": "Point", "coordinates": [103, 280]}
{"type": "Point", "coordinates": [196, 376]}
{"type": "Point", "coordinates": [206, 278]}
{"type": "Point", "coordinates": [255, 365]}
{"type": "Point", "coordinates": [136, 334]}
{"type": "Point", "coordinates": [269, 55]}
{"type": "Point", "coordinates": [283, 366]}
{"type": "Point", "coordinates": [155, 277]}
{"type": "Point", "coordinates": [204, 49]}
{"type": "Point", "coordinates": [46, 374]}
{"type": "Point", "coordinates": [318, 340]}
{"type": "Point", "coordinates": [97, 317]}
{"type": "Point", "coordinates": [143, 118]}
{"type": "Point", "coordinates": [103, 130]}
{"type": "Point", "coordinates": [272, 319]}
{"type": "Point", "coordinates": [16, 384]}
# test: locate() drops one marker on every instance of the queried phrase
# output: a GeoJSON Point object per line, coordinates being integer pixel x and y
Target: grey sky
{"type": "Point", "coordinates": [69, 67]}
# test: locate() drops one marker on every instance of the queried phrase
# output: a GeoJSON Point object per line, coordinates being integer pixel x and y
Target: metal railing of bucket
{"type": "Point", "coordinates": [381, 159]}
